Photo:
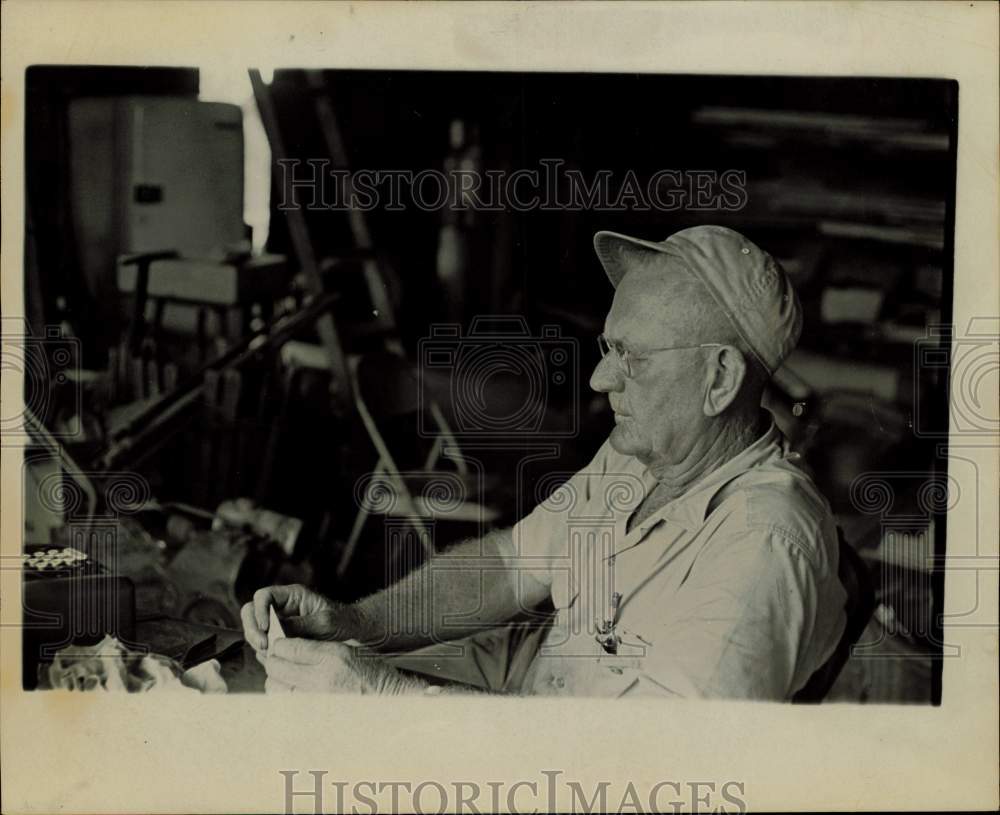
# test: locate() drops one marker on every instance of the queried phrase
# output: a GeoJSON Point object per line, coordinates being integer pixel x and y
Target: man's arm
{"type": "Point", "coordinates": [472, 586]}
{"type": "Point", "coordinates": [332, 667]}
{"type": "Point", "coordinates": [739, 624]}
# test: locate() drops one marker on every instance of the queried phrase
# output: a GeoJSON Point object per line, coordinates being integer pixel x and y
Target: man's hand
{"type": "Point", "coordinates": [324, 667]}
{"type": "Point", "coordinates": [303, 613]}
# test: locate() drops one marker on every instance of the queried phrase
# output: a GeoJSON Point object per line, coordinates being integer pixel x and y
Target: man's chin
{"type": "Point", "coordinates": [622, 441]}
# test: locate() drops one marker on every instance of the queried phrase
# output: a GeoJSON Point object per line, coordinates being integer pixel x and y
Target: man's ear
{"type": "Point", "coordinates": [727, 369]}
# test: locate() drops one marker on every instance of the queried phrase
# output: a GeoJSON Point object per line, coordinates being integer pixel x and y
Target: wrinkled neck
{"type": "Point", "coordinates": [705, 453]}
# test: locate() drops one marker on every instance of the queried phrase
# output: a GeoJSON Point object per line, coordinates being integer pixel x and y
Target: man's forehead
{"type": "Point", "coordinates": [653, 289]}
{"type": "Point", "coordinates": [660, 302]}
{"type": "Point", "coordinates": [657, 276]}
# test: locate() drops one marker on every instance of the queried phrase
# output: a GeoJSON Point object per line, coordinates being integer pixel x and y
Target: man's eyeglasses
{"type": "Point", "coordinates": [624, 359]}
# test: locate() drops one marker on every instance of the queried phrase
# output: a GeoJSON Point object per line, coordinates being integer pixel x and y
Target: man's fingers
{"type": "Point", "coordinates": [276, 686]}
{"type": "Point", "coordinates": [308, 665]}
{"type": "Point", "coordinates": [301, 676]}
{"type": "Point", "coordinates": [288, 676]}
{"type": "Point", "coordinates": [304, 652]}
{"type": "Point", "coordinates": [281, 670]}
{"type": "Point", "coordinates": [285, 600]}
{"type": "Point", "coordinates": [251, 631]}
{"type": "Point", "coordinates": [261, 604]}
{"type": "Point", "coordinates": [321, 625]}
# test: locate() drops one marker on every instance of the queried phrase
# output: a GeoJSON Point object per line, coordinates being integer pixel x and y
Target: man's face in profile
{"type": "Point", "coordinates": [659, 407]}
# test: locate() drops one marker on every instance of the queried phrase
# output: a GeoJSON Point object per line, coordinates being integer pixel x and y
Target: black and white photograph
{"type": "Point", "coordinates": [351, 385]}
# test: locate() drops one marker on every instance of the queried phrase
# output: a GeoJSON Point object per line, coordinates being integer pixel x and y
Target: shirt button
{"type": "Point", "coordinates": [558, 681]}
{"type": "Point", "coordinates": [615, 669]}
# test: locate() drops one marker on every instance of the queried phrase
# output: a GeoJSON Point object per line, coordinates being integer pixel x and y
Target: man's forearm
{"type": "Point", "coordinates": [456, 593]}
{"type": "Point", "coordinates": [389, 681]}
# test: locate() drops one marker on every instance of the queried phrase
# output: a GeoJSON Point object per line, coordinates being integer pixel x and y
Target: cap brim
{"type": "Point", "coordinates": [606, 246]}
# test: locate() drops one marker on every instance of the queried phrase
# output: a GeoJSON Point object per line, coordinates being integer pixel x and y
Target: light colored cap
{"type": "Point", "coordinates": [747, 283]}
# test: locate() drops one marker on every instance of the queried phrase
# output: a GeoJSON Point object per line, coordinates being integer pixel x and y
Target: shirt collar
{"type": "Point", "coordinates": [689, 509]}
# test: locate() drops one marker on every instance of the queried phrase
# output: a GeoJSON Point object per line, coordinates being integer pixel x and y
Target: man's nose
{"type": "Point", "coordinates": [607, 376]}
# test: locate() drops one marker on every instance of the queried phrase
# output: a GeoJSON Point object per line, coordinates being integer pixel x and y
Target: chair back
{"type": "Point", "coordinates": [860, 605]}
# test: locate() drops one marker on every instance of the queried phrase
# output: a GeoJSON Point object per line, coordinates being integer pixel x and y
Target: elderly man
{"type": "Point", "coordinates": [692, 557]}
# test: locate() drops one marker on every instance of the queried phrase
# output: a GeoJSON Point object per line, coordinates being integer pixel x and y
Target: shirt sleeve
{"type": "Point", "coordinates": [541, 539]}
{"type": "Point", "coordinates": [741, 620]}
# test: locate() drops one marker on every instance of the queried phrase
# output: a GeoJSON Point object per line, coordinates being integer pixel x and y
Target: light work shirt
{"type": "Point", "coordinates": [728, 591]}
